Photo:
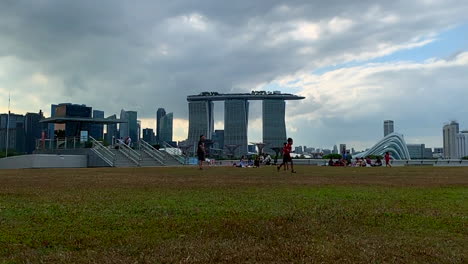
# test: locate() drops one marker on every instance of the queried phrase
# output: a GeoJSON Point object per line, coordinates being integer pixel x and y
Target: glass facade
{"type": "Point", "coordinates": [388, 127]}
{"type": "Point", "coordinates": [97, 130]}
{"type": "Point", "coordinates": [236, 118]}
{"type": "Point", "coordinates": [201, 120]}
{"type": "Point", "coordinates": [112, 132]}
{"type": "Point", "coordinates": [159, 114]}
{"type": "Point", "coordinates": [166, 128]}
{"type": "Point", "coordinates": [274, 125]}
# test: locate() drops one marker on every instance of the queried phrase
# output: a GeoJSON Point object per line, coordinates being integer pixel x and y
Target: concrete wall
{"type": "Point", "coordinates": [44, 161]}
{"type": "Point", "coordinates": [93, 159]}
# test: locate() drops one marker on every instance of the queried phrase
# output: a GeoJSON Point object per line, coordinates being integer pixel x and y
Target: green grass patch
{"type": "Point", "coordinates": [245, 223]}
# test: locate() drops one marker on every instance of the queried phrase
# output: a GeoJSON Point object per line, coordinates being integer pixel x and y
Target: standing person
{"type": "Point", "coordinates": [201, 152]}
{"type": "Point", "coordinates": [287, 156]}
{"type": "Point", "coordinates": [387, 159]}
{"type": "Point", "coordinates": [348, 158]}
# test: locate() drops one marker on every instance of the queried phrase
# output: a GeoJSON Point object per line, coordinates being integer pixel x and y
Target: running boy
{"type": "Point", "coordinates": [387, 160]}
{"type": "Point", "coordinates": [287, 156]}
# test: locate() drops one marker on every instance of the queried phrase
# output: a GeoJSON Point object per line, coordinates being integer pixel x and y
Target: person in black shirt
{"type": "Point", "coordinates": [201, 152]}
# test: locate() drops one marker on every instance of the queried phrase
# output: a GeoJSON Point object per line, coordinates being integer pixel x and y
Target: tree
{"type": "Point", "coordinates": [332, 156]}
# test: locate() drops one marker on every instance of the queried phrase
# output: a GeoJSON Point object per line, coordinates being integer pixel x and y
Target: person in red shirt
{"type": "Point", "coordinates": [387, 160]}
{"type": "Point", "coordinates": [287, 156]}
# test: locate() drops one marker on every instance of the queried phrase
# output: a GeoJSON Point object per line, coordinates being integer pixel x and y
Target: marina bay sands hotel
{"type": "Point", "coordinates": [236, 114]}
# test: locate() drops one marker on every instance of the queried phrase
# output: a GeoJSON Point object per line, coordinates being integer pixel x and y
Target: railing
{"type": "Point", "coordinates": [129, 152]}
{"type": "Point", "coordinates": [103, 152]}
{"type": "Point", "coordinates": [60, 143]}
{"type": "Point", "coordinates": [151, 151]}
{"type": "Point", "coordinates": [174, 152]}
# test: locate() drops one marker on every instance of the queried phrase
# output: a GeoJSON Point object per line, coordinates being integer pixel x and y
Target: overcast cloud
{"type": "Point", "coordinates": [114, 54]}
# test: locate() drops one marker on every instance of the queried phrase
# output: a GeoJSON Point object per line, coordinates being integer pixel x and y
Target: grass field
{"type": "Point", "coordinates": [167, 215]}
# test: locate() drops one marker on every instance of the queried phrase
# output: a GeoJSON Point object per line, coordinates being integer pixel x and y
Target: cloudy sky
{"type": "Point", "coordinates": [357, 62]}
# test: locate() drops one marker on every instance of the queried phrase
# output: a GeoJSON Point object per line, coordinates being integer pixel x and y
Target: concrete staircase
{"type": "Point", "coordinates": [148, 161]}
{"type": "Point", "coordinates": [145, 156]}
{"type": "Point", "coordinates": [121, 161]}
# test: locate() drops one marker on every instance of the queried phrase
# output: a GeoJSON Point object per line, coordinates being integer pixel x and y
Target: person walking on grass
{"type": "Point", "coordinates": [201, 152]}
{"type": "Point", "coordinates": [387, 159]}
{"type": "Point", "coordinates": [287, 156]}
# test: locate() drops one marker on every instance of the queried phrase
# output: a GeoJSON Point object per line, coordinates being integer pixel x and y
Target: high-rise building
{"type": "Point", "coordinates": [342, 149]}
{"type": "Point", "coordinates": [16, 132]}
{"type": "Point", "coordinates": [218, 139]}
{"type": "Point", "coordinates": [97, 130]}
{"type": "Point", "coordinates": [166, 128]}
{"type": "Point", "coordinates": [112, 132]}
{"type": "Point", "coordinates": [298, 150]}
{"type": "Point", "coordinates": [148, 135]}
{"type": "Point", "coordinates": [201, 120]}
{"type": "Point", "coordinates": [335, 150]}
{"type": "Point", "coordinates": [159, 114]}
{"type": "Point", "coordinates": [326, 151]}
{"type": "Point", "coordinates": [388, 127]}
{"type": "Point", "coordinates": [133, 126]}
{"type": "Point", "coordinates": [236, 106]}
{"type": "Point", "coordinates": [416, 151]}
{"type": "Point", "coordinates": [236, 117]}
{"type": "Point", "coordinates": [462, 144]}
{"type": "Point", "coordinates": [450, 132]}
{"type": "Point", "coordinates": [274, 126]}
{"type": "Point", "coordinates": [123, 127]}
{"type": "Point", "coordinates": [33, 130]}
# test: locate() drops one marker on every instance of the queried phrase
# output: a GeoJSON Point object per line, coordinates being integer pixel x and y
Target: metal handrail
{"type": "Point", "coordinates": [129, 152]}
{"type": "Point", "coordinates": [102, 151]}
{"type": "Point", "coordinates": [151, 151]}
{"type": "Point", "coordinates": [169, 150]}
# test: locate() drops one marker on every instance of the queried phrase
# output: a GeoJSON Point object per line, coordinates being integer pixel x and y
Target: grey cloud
{"type": "Point", "coordinates": [146, 54]}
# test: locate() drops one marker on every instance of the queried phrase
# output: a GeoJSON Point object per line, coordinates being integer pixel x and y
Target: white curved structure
{"type": "Point", "coordinates": [393, 143]}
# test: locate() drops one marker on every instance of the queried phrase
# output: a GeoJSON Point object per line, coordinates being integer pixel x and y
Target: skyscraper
{"type": "Point", "coordinates": [16, 132]}
{"type": "Point", "coordinates": [201, 120]}
{"type": "Point", "coordinates": [33, 130]}
{"type": "Point", "coordinates": [159, 114]}
{"type": "Point", "coordinates": [97, 130]}
{"type": "Point", "coordinates": [111, 131]}
{"type": "Point", "coordinates": [335, 150]}
{"type": "Point", "coordinates": [236, 116]}
{"type": "Point", "coordinates": [462, 144]}
{"type": "Point", "coordinates": [274, 126]}
{"type": "Point", "coordinates": [342, 149]}
{"type": "Point", "coordinates": [218, 139]}
{"type": "Point", "coordinates": [148, 135]}
{"type": "Point", "coordinates": [123, 127]}
{"type": "Point", "coordinates": [166, 128]}
{"type": "Point", "coordinates": [450, 132]}
{"type": "Point", "coordinates": [388, 127]}
{"type": "Point", "coordinates": [133, 126]}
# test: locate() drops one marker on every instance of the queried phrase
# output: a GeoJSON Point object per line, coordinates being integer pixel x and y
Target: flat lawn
{"type": "Point", "coordinates": [231, 215]}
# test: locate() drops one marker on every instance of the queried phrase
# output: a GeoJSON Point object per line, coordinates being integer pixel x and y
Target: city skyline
{"type": "Point", "coordinates": [356, 63]}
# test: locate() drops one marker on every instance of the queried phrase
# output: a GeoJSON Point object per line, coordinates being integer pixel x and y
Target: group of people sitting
{"type": "Point", "coordinates": [358, 162]}
{"type": "Point", "coordinates": [264, 159]}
